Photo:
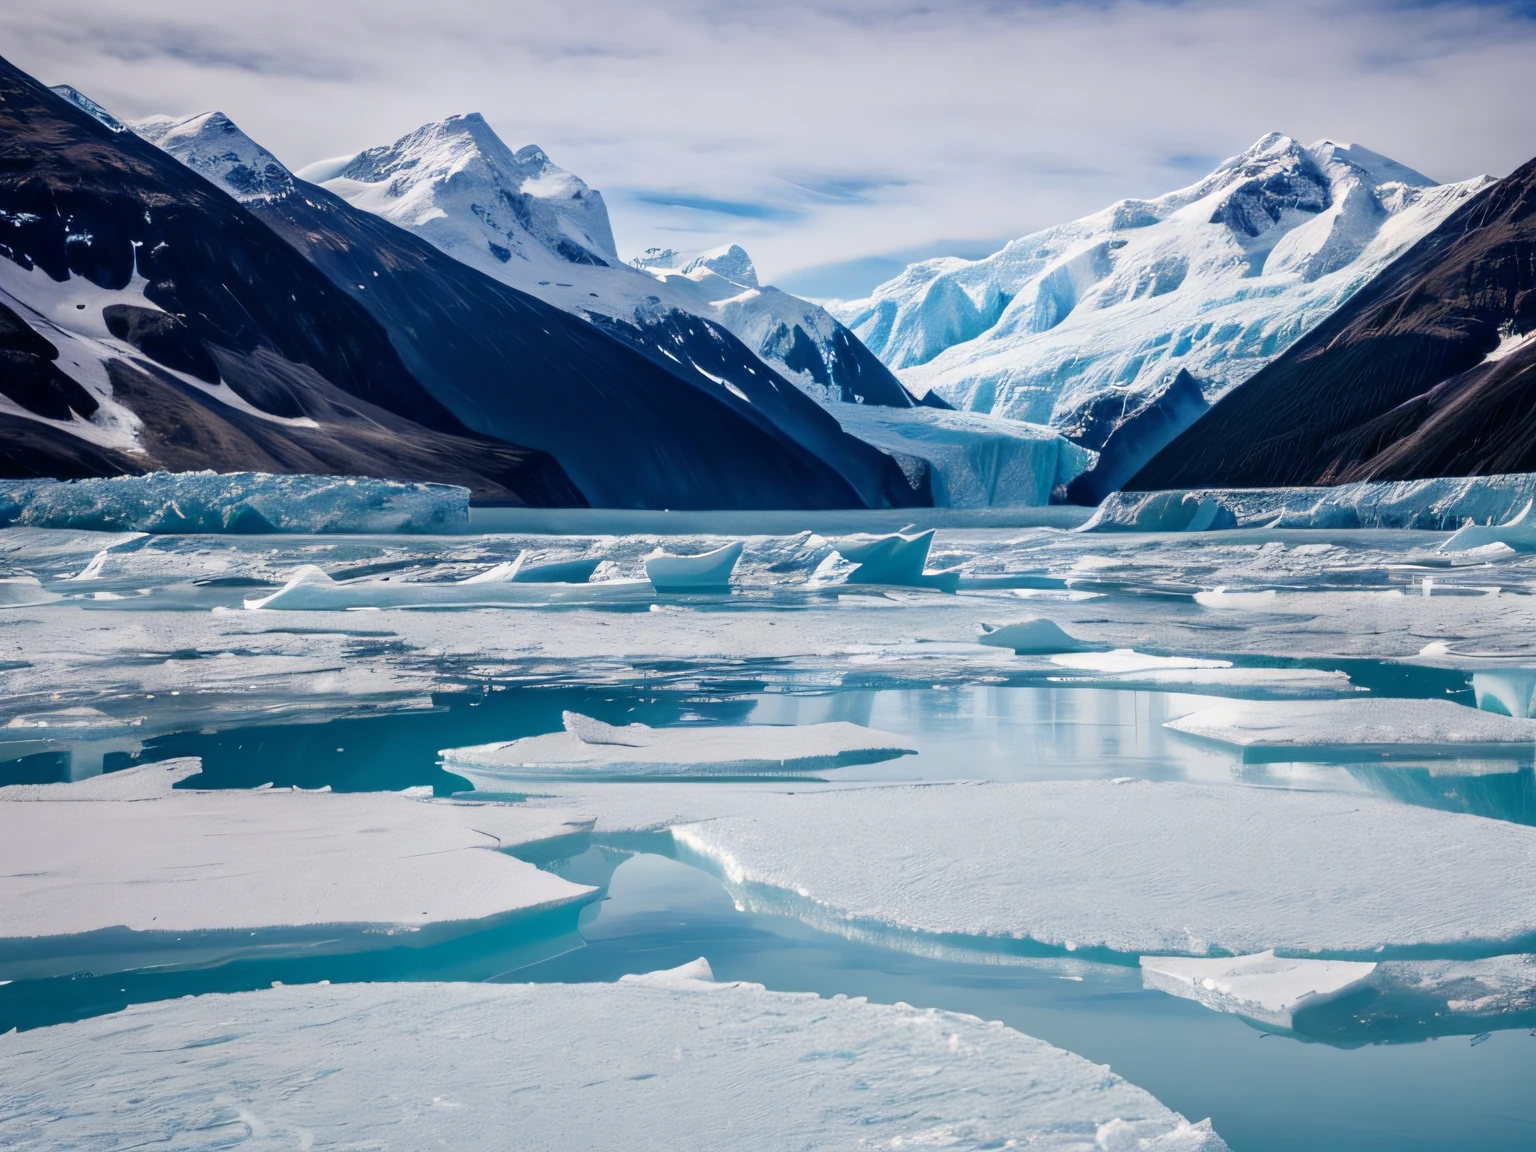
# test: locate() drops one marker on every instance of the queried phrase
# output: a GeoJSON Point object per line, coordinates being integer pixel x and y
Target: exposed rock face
{"type": "Point", "coordinates": [1428, 371]}
{"type": "Point", "coordinates": [151, 322]}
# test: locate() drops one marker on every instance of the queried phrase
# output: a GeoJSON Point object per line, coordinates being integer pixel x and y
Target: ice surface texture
{"type": "Point", "coordinates": [1442, 505]}
{"type": "Point", "coordinates": [664, 1062]}
{"type": "Point", "coordinates": [1215, 279]}
{"type": "Point", "coordinates": [246, 502]}
{"type": "Point", "coordinates": [1374, 722]}
{"type": "Point", "coordinates": [588, 745]}
{"type": "Point", "coordinates": [265, 859]}
{"type": "Point", "coordinates": [1132, 867]}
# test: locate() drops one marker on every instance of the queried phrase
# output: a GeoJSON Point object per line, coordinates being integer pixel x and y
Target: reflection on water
{"type": "Point", "coordinates": [989, 732]}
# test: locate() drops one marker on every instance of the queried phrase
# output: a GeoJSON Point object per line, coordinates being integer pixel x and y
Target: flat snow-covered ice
{"type": "Point", "coordinates": [666, 1061]}
{"type": "Point", "coordinates": [1134, 867]}
{"type": "Point", "coordinates": [138, 856]}
{"type": "Point", "coordinates": [1368, 722]}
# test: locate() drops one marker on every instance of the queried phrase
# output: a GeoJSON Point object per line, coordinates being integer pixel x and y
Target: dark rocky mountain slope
{"type": "Point", "coordinates": [1430, 370]}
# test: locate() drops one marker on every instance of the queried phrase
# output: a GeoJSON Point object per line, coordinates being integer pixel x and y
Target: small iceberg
{"type": "Point", "coordinates": [706, 572]}
{"type": "Point", "coordinates": [1262, 987]}
{"type": "Point", "coordinates": [1518, 533]}
{"type": "Point", "coordinates": [589, 746]}
{"type": "Point", "coordinates": [518, 572]}
{"type": "Point", "coordinates": [895, 559]}
{"type": "Point", "coordinates": [666, 1060]}
{"type": "Point", "coordinates": [1035, 636]}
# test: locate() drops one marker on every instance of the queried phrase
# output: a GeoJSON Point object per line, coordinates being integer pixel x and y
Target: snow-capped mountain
{"type": "Point", "coordinates": [1216, 279]}
{"type": "Point", "coordinates": [518, 217]}
{"type": "Point", "coordinates": [678, 415]}
{"type": "Point", "coordinates": [1428, 371]}
{"type": "Point", "coordinates": [213, 147]}
{"type": "Point", "coordinates": [147, 321]}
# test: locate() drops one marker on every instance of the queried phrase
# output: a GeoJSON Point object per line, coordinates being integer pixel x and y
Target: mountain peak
{"type": "Point", "coordinates": [515, 196]}
{"type": "Point", "coordinates": [729, 261]}
{"type": "Point", "coordinates": [214, 147]}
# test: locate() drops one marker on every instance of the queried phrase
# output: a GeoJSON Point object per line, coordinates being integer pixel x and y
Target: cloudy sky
{"type": "Point", "coordinates": [833, 138]}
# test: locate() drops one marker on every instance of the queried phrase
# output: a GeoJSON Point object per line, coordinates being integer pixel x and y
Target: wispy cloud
{"type": "Point", "coordinates": [738, 209]}
{"type": "Point", "coordinates": [825, 131]}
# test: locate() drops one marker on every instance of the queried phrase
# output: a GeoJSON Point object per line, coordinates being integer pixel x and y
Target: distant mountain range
{"type": "Point", "coordinates": [1085, 323]}
{"type": "Point", "coordinates": [447, 308]}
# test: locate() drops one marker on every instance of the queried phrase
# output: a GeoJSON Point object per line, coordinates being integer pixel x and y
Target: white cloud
{"type": "Point", "coordinates": [815, 132]}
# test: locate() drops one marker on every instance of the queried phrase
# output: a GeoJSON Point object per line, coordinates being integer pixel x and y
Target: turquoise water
{"type": "Point", "coordinates": [1262, 1091]}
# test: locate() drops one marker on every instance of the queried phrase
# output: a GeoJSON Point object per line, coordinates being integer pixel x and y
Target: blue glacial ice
{"type": "Point", "coordinates": [240, 502]}
{"type": "Point", "coordinates": [1488, 509]}
{"type": "Point", "coordinates": [970, 461]}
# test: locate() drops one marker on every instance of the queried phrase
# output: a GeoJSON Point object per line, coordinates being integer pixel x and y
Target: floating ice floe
{"type": "Point", "coordinates": [241, 502]}
{"type": "Point", "coordinates": [1373, 724]}
{"type": "Point", "coordinates": [1034, 636]}
{"type": "Point", "coordinates": [709, 571]}
{"type": "Point", "coordinates": [1128, 867]}
{"type": "Point", "coordinates": [590, 746]}
{"type": "Point", "coordinates": [1127, 668]}
{"type": "Point", "coordinates": [310, 588]}
{"type": "Point", "coordinates": [1392, 999]}
{"type": "Point", "coordinates": [142, 782]}
{"type": "Point", "coordinates": [272, 868]}
{"type": "Point", "coordinates": [1263, 987]}
{"type": "Point", "coordinates": [895, 559]}
{"type": "Point", "coordinates": [668, 1060]}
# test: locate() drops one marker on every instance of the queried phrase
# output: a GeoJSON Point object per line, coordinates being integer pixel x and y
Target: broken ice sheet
{"type": "Point", "coordinates": [1122, 867]}
{"type": "Point", "coordinates": [1262, 987]}
{"type": "Point", "coordinates": [589, 746]}
{"type": "Point", "coordinates": [1373, 725]}
{"type": "Point", "coordinates": [1348, 1003]}
{"type": "Point", "coordinates": [271, 868]}
{"type": "Point", "coordinates": [669, 1060]}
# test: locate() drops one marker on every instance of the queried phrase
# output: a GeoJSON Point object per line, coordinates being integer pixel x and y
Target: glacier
{"type": "Point", "coordinates": [666, 1060]}
{"type": "Point", "coordinates": [1488, 509]}
{"type": "Point", "coordinates": [968, 460]}
{"type": "Point", "coordinates": [239, 502]}
{"type": "Point", "coordinates": [1074, 324]}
